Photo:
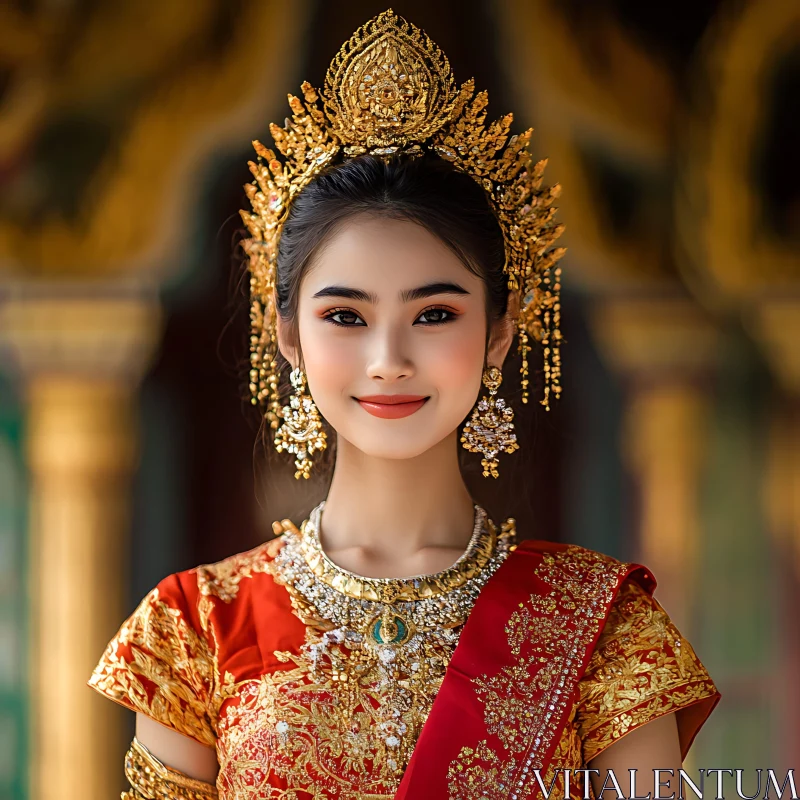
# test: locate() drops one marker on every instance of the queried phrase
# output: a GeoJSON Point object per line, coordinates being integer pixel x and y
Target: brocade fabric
{"type": "Point", "coordinates": [220, 654]}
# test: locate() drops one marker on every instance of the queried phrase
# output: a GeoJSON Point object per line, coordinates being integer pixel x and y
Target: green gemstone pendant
{"type": "Point", "coordinates": [390, 629]}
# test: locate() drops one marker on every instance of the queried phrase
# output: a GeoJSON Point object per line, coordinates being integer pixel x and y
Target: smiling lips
{"type": "Point", "coordinates": [392, 406]}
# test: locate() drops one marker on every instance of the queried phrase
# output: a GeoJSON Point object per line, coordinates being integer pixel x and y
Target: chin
{"type": "Point", "coordinates": [395, 451]}
{"type": "Point", "coordinates": [394, 445]}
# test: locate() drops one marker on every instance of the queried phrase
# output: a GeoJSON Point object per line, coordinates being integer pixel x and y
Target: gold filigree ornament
{"type": "Point", "coordinates": [151, 780]}
{"type": "Point", "coordinates": [390, 93]}
{"type": "Point", "coordinates": [490, 429]}
{"type": "Point", "coordinates": [301, 432]}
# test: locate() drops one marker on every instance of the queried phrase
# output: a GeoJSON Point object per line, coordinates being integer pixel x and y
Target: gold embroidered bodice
{"type": "Point", "coordinates": [312, 682]}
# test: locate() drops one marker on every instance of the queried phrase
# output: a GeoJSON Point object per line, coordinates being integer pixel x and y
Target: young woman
{"type": "Point", "coordinates": [397, 250]}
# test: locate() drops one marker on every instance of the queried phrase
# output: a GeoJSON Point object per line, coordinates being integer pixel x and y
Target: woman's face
{"type": "Point", "coordinates": [393, 332]}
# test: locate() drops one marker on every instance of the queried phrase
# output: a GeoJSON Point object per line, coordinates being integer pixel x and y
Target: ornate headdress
{"type": "Point", "coordinates": [390, 92]}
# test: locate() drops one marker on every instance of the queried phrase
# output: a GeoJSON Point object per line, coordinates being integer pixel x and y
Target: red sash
{"type": "Point", "coordinates": [513, 679]}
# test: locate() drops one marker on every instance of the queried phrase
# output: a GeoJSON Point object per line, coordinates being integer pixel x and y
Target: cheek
{"type": "Point", "coordinates": [455, 362]}
{"type": "Point", "coordinates": [460, 350]}
{"type": "Point", "coordinates": [329, 360]}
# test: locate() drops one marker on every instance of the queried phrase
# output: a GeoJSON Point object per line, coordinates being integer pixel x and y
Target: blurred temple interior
{"type": "Point", "coordinates": [129, 449]}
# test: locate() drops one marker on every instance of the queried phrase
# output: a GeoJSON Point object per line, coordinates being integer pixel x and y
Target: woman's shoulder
{"type": "Point", "coordinates": [225, 580]}
{"type": "Point", "coordinates": [556, 559]}
{"type": "Point", "coordinates": [640, 666]}
{"type": "Point", "coordinates": [563, 550]}
{"type": "Point", "coordinates": [169, 656]}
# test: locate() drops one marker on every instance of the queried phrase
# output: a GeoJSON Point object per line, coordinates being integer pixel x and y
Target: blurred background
{"type": "Point", "coordinates": [128, 448]}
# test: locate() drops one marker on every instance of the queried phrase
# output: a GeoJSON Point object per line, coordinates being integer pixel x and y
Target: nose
{"type": "Point", "coordinates": [389, 359]}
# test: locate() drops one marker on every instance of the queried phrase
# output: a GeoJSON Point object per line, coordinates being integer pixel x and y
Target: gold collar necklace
{"type": "Point", "coordinates": [479, 551]}
{"type": "Point", "coordinates": [387, 610]}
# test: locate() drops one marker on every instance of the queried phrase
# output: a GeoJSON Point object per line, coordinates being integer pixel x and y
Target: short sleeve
{"type": "Point", "coordinates": [158, 664]}
{"type": "Point", "coordinates": [641, 669]}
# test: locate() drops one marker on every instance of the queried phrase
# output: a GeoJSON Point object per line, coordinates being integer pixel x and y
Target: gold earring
{"type": "Point", "coordinates": [490, 430]}
{"type": "Point", "coordinates": [301, 432]}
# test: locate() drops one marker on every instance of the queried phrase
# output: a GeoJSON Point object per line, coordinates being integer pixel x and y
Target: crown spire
{"type": "Point", "coordinates": [388, 85]}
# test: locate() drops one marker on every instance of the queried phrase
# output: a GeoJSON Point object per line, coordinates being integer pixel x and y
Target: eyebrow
{"type": "Point", "coordinates": [346, 293]}
{"type": "Point", "coordinates": [407, 296]}
{"type": "Point", "coordinates": [431, 289]}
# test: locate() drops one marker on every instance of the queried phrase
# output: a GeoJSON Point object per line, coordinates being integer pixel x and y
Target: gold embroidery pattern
{"type": "Point", "coordinates": [641, 668]}
{"type": "Point", "coordinates": [329, 725]}
{"type": "Point", "coordinates": [288, 734]}
{"type": "Point", "coordinates": [524, 702]}
{"type": "Point", "coordinates": [157, 664]}
{"type": "Point", "coordinates": [223, 578]}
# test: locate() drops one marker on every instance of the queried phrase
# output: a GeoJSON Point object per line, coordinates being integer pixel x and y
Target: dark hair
{"type": "Point", "coordinates": [424, 189]}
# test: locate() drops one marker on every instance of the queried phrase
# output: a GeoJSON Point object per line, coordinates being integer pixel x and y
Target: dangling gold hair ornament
{"type": "Point", "coordinates": [390, 92]}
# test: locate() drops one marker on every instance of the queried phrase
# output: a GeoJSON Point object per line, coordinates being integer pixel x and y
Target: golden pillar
{"type": "Point", "coordinates": [79, 359]}
{"type": "Point", "coordinates": [663, 349]}
{"type": "Point", "coordinates": [663, 447]}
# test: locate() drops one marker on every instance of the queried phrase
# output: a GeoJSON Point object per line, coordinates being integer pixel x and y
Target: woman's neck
{"type": "Point", "coordinates": [399, 516]}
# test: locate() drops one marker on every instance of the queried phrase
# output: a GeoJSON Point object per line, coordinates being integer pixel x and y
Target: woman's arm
{"type": "Point", "coordinates": [177, 751]}
{"type": "Point", "coordinates": [650, 747]}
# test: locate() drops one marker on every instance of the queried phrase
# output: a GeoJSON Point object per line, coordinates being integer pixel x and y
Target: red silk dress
{"type": "Point", "coordinates": [314, 684]}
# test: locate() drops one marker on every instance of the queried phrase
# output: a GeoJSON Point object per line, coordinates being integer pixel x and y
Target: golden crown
{"type": "Point", "coordinates": [390, 92]}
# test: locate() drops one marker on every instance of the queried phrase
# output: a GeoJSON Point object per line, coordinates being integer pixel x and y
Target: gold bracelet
{"type": "Point", "coordinates": [152, 780]}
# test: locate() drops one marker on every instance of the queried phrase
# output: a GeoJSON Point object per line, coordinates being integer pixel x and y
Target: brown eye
{"type": "Point", "coordinates": [345, 318]}
{"type": "Point", "coordinates": [435, 316]}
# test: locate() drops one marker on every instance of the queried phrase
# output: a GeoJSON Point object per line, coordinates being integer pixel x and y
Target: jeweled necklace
{"type": "Point", "coordinates": [393, 637]}
{"type": "Point", "coordinates": [390, 610]}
